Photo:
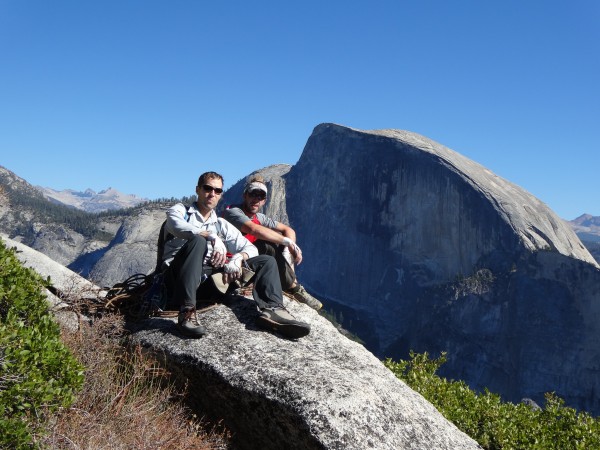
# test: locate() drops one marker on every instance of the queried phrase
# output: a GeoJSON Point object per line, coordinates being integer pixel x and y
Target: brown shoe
{"type": "Point", "coordinates": [298, 293]}
{"type": "Point", "coordinates": [187, 323]}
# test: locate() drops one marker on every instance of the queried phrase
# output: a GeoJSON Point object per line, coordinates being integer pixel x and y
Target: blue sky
{"type": "Point", "coordinates": [143, 96]}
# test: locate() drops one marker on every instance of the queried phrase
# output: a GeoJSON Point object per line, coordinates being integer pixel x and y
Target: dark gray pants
{"type": "Point", "coordinates": [287, 277]}
{"type": "Point", "coordinates": [186, 273]}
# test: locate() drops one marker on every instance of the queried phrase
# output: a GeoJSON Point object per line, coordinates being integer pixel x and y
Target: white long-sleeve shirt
{"type": "Point", "coordinates": [183, 229]}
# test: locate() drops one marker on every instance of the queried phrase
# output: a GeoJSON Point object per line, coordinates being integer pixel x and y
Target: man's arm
{"type": "Point", "coordinates": [235, 241]}
{"type": "Point", "coordinates": [179, 227]}
{"type": "Point", "coordinates": [240, 248]}
{"type": "Point", "coordinates": [272, 231]}
{"type": "Point", "coordinates": [281, 235]}
{"type": "Point", "coordinates": [266, 234]}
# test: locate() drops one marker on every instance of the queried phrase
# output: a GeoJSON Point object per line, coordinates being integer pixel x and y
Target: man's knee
{"type": "Point", "coordinates": [196, 244]}
{"type": "Point", "coordinates": [262, 261]}
{"type": "Point", "coordinates": [266, 248]}
{"type": "Point", "coordinates": [197, 240]}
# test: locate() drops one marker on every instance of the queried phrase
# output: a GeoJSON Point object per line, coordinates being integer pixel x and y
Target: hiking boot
{"type": "Point", "coordinates": [187, 323]}
{"type": "Point", "coordinates": [298, 293]}
{"type": "Point", "coordinates": [278, 319]}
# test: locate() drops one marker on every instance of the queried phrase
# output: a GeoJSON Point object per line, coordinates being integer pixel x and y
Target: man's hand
{"type": "Point", "coordinates": [219, 253]}
{"type": "Point", "coordinates": [294, 249]}
{"type": "Point", "coordinates": [233, 269]}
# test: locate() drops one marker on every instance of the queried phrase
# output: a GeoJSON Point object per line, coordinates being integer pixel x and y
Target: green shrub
{"type": "Point", "coordinates": [490, 421]}
{"type": "Point", "coordinates": [37, 373]}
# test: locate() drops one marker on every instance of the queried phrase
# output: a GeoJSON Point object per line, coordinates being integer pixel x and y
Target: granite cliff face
{"type": "Point", "coordinates": [424, 249]}
{"type": "Point", "coordinates": [133, 249]}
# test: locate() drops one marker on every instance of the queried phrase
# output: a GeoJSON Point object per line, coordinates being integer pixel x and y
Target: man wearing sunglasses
{"type": "Point", "coordinates": [196, 249]}
{"type": "Point", "coordinates": [271, 238]}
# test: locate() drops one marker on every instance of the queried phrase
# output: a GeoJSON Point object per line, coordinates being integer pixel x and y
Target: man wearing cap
{"type": "Point", "coordinates": [270, 237]}
{"type": "Point", "coordinates": [196, 248]}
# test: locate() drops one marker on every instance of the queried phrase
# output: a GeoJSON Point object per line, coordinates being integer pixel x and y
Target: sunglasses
{"type": "Point", "coordinates": [257, 194]}
{"type": "Point", "coordinates": [209, 188]}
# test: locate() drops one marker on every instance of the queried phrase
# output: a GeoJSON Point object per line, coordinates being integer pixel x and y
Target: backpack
{"type": "Point", "coordinates": [163, 237]}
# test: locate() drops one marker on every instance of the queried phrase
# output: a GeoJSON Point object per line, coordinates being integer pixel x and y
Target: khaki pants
{"type": "Point", "coordinates": [287, 276]}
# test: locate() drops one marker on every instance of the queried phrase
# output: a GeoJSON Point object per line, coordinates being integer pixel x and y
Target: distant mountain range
{"type": "Point", "coordinates": [90, 201]}
{"type": "Point", "coordinates": [587, 227]}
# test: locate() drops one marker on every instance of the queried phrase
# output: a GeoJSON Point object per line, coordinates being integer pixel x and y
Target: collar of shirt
{"type": "Point", "coordinates": [212, 217]}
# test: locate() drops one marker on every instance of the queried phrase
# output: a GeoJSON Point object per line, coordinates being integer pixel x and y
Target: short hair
{"type": "Point", "coordinates": [209, 176]}
{"type": "Point", "coordinates": [257, 178]}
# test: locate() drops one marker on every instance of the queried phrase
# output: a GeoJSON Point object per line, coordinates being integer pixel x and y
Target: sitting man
{"type": "Point", "coordinates": [270, 237]}
{"type": "Point", "coordinates": [196, 246]}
